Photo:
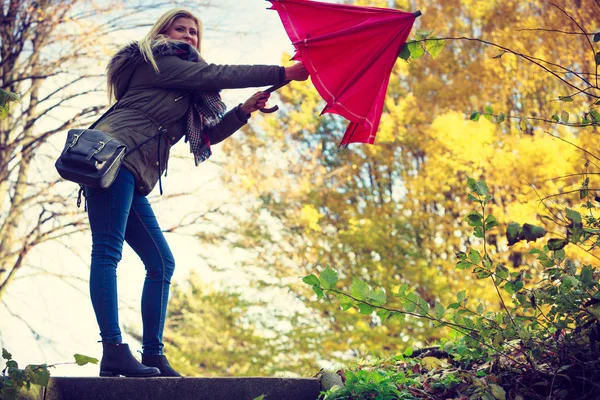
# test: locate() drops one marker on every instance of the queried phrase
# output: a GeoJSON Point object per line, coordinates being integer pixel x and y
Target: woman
{"type": "Point", "coordinates": [164, 91]}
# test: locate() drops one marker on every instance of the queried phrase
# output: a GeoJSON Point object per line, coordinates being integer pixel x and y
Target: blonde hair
{"type": "Point", "coordinates": [157, 32]}
{"type": "Point", "coordinates": [157, 36]}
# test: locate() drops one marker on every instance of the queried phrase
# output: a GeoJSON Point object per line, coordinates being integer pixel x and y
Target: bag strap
{"type": "Point", "coordinates": [103, 115]}
{"type": "Point", "coordinates": [161, 130]}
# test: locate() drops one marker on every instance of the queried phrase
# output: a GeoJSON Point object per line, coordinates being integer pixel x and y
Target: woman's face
{"type": "Point", "coordinates": [184, 29]}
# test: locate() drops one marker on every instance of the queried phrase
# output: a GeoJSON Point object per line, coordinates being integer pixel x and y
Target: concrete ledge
{"type": "Point", "coordinates": [181, 389]}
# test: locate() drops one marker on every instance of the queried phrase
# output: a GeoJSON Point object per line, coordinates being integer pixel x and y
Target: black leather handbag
{"type": "Point", "coordinates": [91, 157]}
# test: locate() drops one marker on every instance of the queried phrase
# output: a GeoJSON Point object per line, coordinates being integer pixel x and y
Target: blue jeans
{"type": "Point", "coordinates": [119, 214]}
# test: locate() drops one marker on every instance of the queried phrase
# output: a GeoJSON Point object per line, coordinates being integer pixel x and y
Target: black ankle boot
{"type": "Point", "coordinates": [118, 360]}
{"type": "Point", "coordinates": [159, 361]}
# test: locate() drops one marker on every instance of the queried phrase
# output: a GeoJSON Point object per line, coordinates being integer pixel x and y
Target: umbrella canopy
{"type": "Point", "coordinates": [349, 52]}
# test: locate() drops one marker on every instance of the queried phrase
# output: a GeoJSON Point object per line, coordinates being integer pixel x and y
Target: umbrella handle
{"type": "Point", "coordinates": [271, 90]}
{"type": "Point", "coordinates": [269, 110]}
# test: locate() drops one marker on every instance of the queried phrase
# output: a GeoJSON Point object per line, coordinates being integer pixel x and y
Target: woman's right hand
{"type": "Point", "coordinates": [296, 72]}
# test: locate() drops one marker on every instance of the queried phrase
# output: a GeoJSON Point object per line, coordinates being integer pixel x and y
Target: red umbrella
{"type": "Point", "coordinates": [349, 52]}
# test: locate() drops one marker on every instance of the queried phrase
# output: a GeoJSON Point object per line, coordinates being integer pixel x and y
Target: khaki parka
{"type": "Point", "coordinates": [149, 103]}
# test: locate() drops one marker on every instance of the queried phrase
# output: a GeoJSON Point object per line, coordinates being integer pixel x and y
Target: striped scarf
{"type": "Point", "coordinates": [206, 111]}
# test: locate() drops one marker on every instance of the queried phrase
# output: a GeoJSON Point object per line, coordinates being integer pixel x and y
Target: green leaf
{"type": "Point", "coordinates": [482, 188]}
{"type": "Point", "coordinates": [482, 273]}
{"type": "Point", "coordinates": [435, 47]}
{"type": "Point", "coordinates": [518, 285]}
{"type": "Point", "coordinates": [508, 287]}
{"type": "Point", "coordinates": [312, 280]}
{"type": "Point", "coordinates": [479, 187]}
{"type": "Point", "coordinates": [583, 193]}
{"type": "Point", "coordinates": [439, 310]}
{"type": "Point", "coordinates": [378, 297]}
{"type": "Point", "coordinates": [359, 289]}
{"type": "Point", "coordinates": [346, 302]}
{"type": "Point", "coordinates": [398, 316]}
{"type": "Point", "coordinates": [329, 278]}
{"type": "Point", "coordinates": [261, 397]}
{"type": "Point", "coordinates": [575, 230]}
{"type": "Point", "coordinates": [513, 231]}
{"type": "Point", "coordinates": [461, 296]}
{"type": "Point", "coordinates": [522, 124]}
{"type": "Point", "coordinates": [416, 49]}
{"type": "Point", "coordinates": [595, 115]}
{"type": "Point", "coordinates": [318, 291]}
{"type": "Point", "coordinates": [38, 374]}
{"type": "Point", "coordinates": [421, 34]}
{"type": "Point", "coordinates": [587, 275]}
{"type": "Point", "coordinates": [408, 352]}
{"type": "Point", "coordinates": [6, 355]}
{"type": "Point", "coordinates": [7, 97]}
{"type": "Point", "coordinates": [488, 110]}
{"type": "Point", "coordinates": [487, 262]}
{"type": "Point", "coordinates": [566, 99]}
{"type": "Point", "coordinates": [557, 244]}
{"type": "Point", "coordinates": [365, 309]}
{"type": "Point", "coordinates": [80, 359]}
{"type": "Point", "coordinates": [532, 232]}
{"type": "Point", "coordinates": [497, 391]}
{"type": "Point", "coordinates": [501, 118]}
{"type": "Point", "coordinates": [490, 222]}
{"type": "Point", "coordinates": [501, 271]}
{"type": "Point", "coordinates": [474, 256]}
{"type": "Point", "coordinates": [462, 265]}
{"type": "Point", "coordinates": [423, 307]}
{"type": "Point", "coordinates": [383, 314]}
{"type": "Point", "coordinates": [474, 116]}
{"type": "Point", "coordinates": [480, 309]}
{"type": "Point", "coordinates": [472, 198]}
{"type": "Point", "coordinates": [564, 116]}
{"type": "Point", "coordinates": [404, 53]}
{"type": "Point", "coordinates": [411, 301]}
{"type": "Point", "coordinates": [555, 118]}
{"type": "Point", "coordinates": [474, 218]}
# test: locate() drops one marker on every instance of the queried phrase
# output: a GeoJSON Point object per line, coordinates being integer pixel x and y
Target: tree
{"type": "Point", "coordinates": [219, 332]}
{"type": "Point", "coordinates": [52, 55]}
{"type": "Point", "coordinates": [392, 213]}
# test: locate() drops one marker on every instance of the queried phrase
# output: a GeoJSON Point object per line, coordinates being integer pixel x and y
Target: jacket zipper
{"type": "Point", "coordinates": [180, 97]}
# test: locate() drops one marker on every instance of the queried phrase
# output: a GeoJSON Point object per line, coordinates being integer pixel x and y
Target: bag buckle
{"type": "Point", "coordinates": [75, 139]}
{"type": "Point", "coordinates": [100, 146]}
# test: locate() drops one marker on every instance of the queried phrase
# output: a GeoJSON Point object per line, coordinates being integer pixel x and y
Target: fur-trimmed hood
{"type": "Point", "coordinates": [122, 65]}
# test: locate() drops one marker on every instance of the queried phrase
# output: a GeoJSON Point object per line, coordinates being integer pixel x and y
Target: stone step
{"type": "Point", "coordinates": [181, 389]}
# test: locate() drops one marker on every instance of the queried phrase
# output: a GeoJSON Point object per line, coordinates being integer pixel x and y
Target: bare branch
{"type": "Point", "coordinates": [584, 32]}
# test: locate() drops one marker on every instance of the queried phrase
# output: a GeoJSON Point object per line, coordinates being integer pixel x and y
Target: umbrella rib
{"type": "Point", "coordinates": [349, 84]}
{"type": "Point", "coordinates": [290, 23]}
{"type": "Point", "coordinates": [357, 28]}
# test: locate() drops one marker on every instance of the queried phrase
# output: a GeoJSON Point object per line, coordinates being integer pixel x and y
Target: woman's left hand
{"type": "Point", "coordinates": [255, 102]}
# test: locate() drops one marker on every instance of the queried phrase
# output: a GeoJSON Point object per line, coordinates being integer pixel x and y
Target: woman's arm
{"type": "Point", "coordinates": [179, 74]}
{"type": "Point", "coordinates": [236, 118]}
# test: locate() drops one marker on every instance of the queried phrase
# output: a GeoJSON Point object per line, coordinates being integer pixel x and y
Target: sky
{"type": "Point", "coordinates": [236, 32]}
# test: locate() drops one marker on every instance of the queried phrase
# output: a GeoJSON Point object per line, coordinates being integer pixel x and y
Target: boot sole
{"type": "Point", "coordinates": [112, 374]}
